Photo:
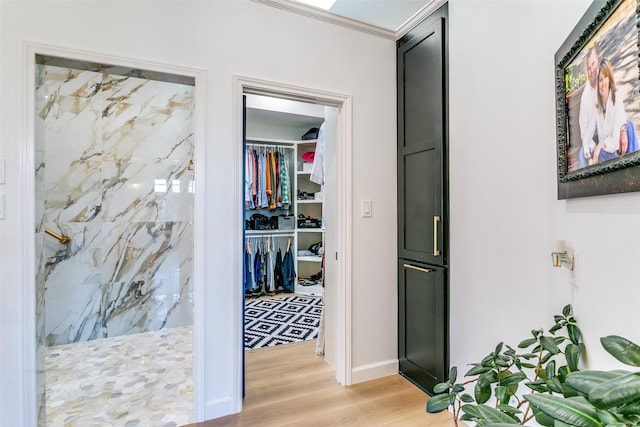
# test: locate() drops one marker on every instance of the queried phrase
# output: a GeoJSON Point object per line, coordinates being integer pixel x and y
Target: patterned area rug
{"type": "Point", "coordinates": [276, 321]}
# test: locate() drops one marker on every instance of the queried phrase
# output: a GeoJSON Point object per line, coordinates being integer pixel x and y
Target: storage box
{"type": "Point", "coordinates": [286, 222]}
{"type": "Point", "coordinates": [306, 167]}
{"type": "Point", "coordinates": [318, 195]}
{"type": "Point", "coordinates": [308, 223]}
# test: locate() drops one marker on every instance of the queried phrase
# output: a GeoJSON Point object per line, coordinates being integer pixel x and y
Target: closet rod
{"type": "Point", "coordinates": [286, 147]}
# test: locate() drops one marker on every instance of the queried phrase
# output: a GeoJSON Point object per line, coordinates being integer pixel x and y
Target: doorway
{"type": "Point", "coordinates": [114, 247]}
{"type": "Point", "coordinates": [338, 246]}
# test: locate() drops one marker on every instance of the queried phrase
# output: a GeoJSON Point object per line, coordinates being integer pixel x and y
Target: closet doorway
{"type": "Point", "coordinates": [287, 124]}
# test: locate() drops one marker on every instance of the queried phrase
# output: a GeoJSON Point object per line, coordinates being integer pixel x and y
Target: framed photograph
{"type": "Point", "coordinates": [597, 74]}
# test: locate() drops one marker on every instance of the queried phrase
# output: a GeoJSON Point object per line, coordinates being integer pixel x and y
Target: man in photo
{"type": "Point", "coordinates": [588, 107]}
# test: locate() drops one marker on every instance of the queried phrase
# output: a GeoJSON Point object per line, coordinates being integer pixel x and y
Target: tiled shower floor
{"type": "Point", "coordinates": [135, 380]}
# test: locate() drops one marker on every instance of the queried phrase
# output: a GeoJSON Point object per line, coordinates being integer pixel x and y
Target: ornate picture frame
{"type": "Point", "coordinates": [597, 78]}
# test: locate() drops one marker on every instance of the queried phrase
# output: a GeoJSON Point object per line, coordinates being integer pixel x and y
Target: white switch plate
{"type": "Point", "coordinates": [2, 205]}
{"type": "Point", "coordinates": [366, 209]}
{"type": "Point", "coordinates": [2, 162]}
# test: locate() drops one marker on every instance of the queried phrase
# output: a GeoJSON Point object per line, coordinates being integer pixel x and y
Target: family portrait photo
{"type": "Point", "coordinates": [602, 90]}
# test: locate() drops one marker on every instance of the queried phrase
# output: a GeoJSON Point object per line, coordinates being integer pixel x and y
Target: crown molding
{"type": "Point", "coordinates": [323, 15]}
{"type": "Point", "coordinates": [419, 16]}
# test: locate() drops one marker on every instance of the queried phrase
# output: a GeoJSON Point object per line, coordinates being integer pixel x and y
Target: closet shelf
{"type": "Point", "coordinates": [310, 258]}
{"type": "Point", "coordinates": [308, 202]}
{"type": "Point", "coordinates": [310, 230]}
{"type": "Point", "coordinates": [271, 141]}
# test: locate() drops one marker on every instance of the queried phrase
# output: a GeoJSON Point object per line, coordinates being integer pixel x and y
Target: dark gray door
{"type": "Point", "coordinates": [422, 324]}
{"type": "Point", "coordinates": [423, 312]}
{"type": "Point", "coordinates": [421, 133]}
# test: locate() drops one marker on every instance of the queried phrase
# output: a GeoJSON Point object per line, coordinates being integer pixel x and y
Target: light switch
{"type": "Point", "coordinates": [366, 209]}
{"type": "Point", "coordinates": [2, 205]}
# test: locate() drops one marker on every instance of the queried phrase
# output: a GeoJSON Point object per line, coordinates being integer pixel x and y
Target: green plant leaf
{"type": "Point", "coordinates": [477, 370]}
{"type": "Point", "coordinates": [498, 348]}
{"type": "Point", "coordinates": [482, 394]}
{"type": "Point", "coordinates": [586, 381]}
{"type": "Point", "coordinates": [543, 419]}
{"type": "Point", "coordinates": [487, 414]}
{"type": "Point", "coordinates": [502, 394]}
{"type": "Point", "coordinates": [622, 349]}
{"type": "Point", "coordinates": [441, 388]}
{"type": "Point", "coordinates": [572, 354]}
{"type": "Point", "coordinates": [457, 388]}
{"type": "Point", "coordinates": [555, 328]}
{"type": "Point", "coordinates": [527, 365]}
{"type": "Point", "coordinates": [514, 378]}
{"type": "Point", "coordinates": [557, 318]}
{"type": "Point", "coordinates": [488, 378]}
{"type": "Point", "coordinates": [566, 310]}
{"type": "Point", "coordinates": [467, 398]}
{"type": "Point", "coordinates": [437, 403]}
{"type": "Point", "coordinates": [576, 411]}
{"type": "Point", "coordinates": [616, 392]}
{"type": "Point", "coordinates": [453, 374]}
{"type": "Point", "coordinates": [550, 369]}
{"type": "Point", "coordinates": [508, 409]}
{"type": "Point", "coordinates": [632, 408]}
{"type": "Point", "coordinates": [538, 385]}
{"type": "Point", "coordinates": [554, 385]}
{"type": "Point", "coordinates": [527, 343]}
{"type": "Point", "coordinates": [607, 418]}
{"type": "Point", "coordinates": [574, 333]}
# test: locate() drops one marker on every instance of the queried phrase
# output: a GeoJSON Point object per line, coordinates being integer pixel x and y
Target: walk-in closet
{"type": "Point", "coordinates": [284, 229]}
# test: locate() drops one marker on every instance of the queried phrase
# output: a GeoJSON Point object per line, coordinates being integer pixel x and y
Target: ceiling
{"type": "Point", "coordinates": [388, 14]}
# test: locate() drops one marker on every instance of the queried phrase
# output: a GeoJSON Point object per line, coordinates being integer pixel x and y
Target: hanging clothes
{"type": "Point", "coordinates": [317, 169]}
{"type": "Point", "coordinates": [288, 272]}
{"type": "Point", "coordinates": [284, 178]}
{"type": "Point", "coordinates": [267, 178]}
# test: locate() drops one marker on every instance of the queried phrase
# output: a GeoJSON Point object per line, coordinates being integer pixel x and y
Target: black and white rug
{"type": "Point", "coordinates": [271, 322]}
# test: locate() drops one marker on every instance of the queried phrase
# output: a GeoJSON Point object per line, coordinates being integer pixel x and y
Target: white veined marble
{"type": "Point", "coordinates": [112, 171]}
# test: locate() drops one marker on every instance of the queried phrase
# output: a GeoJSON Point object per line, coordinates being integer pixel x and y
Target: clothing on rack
{"type": "Point", "coordinates": [317, 169]}
{"type": "Point", "coordinates": [266, 178]}
{"type": "Point", "coordinates": [264, 273]}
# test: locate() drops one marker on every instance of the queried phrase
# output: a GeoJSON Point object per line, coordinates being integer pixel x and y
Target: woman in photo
{"type": "Point", "coordinates": [611, 118]}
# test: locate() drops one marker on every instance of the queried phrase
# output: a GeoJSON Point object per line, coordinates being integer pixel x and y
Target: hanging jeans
{"type": "Point", "coordinates": [288, 272]}
{"type": "Point", "coordinates": [278, 280]}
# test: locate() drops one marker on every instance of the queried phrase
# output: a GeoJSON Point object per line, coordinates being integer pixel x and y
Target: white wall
{"type": "Point", "coordinates": [504, 208]}
{"type": "Point", "coordinates": [223, 38]}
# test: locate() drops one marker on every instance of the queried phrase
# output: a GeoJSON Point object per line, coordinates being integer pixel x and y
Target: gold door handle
{"type": "Point", "coordinates": [436, 220]}
{"type": "Point", "coordinates": [64, 239]}
{"type": "Point", "coordinates": [413, 267]}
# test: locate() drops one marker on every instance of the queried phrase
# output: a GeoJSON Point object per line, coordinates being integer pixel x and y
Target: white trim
{"type": "Point", "coordinates": [375, 370]}
{"type": "Point", "coordinates": [419, 16]}
{"type": "Point", "coordinates": [27, 165]}
{"type": "Point", "coordinates": [323, 15]}
{"type": "Point", "coordinates": [343, 102]}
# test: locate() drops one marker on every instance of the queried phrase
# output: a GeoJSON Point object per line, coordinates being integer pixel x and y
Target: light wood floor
{"type": "Point", "coordinates": [289, 385]}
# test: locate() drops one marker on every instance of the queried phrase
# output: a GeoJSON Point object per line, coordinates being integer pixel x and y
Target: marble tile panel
{"type": "Point", "coordinates": [73, 190]}
{"type": "Point", "coordinates": [139, 192]}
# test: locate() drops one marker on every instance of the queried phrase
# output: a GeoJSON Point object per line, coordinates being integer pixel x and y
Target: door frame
{"type": "Point", "coordinates": [29, 52]}
{"type": "Point", "coordinates": [343, 103]}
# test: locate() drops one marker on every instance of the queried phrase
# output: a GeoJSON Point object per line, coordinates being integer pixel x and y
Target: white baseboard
{"type": "Point", "coordinates": [217, 408]}
{"type": "Point", "coordinates": [374, 370]}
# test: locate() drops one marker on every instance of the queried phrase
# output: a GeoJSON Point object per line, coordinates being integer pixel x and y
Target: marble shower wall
{"type": "Point", "coordinates": [113, 173]}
